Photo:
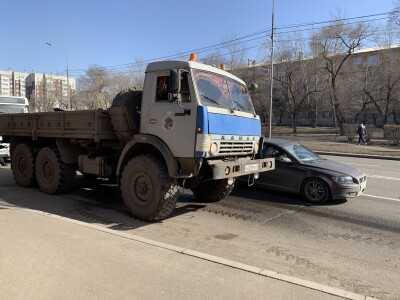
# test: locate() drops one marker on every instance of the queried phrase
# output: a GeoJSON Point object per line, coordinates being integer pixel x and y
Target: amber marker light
{"type": "Point", "coordinates": [193, 57]}
{"type": "Point", "coordinates": [198, 129]}
{"type": "Point", "coordinates": [222, 66]}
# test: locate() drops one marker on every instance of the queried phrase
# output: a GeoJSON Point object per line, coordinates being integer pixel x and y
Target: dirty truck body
{"type": "Point", "coordinates": [192, 126]}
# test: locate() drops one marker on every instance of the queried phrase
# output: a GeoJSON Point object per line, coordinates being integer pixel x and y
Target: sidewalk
{"type": "Point", "coordinates": [45, 256]}
{"type": "Point", "coordinates": [326, 146]}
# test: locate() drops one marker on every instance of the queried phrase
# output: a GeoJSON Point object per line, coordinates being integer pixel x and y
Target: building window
{"type": "Point", "coordinates": [327, 101]}
{"type": "Point", "coordinates": [390, 56]}
{"type": "Point", "coordinates": [357, 60]}
{"type": "Point", "coordinates": [327, 114]}
{"type": "Point", "coordinates": [373, 60]}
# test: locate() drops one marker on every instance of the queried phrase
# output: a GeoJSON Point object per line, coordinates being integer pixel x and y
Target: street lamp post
{"type": "Point", "coordinates": [272, 74]}
{"type": "Point", "coordinates": [68, 93]}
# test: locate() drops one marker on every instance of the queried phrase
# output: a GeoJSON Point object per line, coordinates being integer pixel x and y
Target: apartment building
{"type": "Point", "coordinates": [368, 80]}
{"type": "Point", "coordinates": [44, 91]}
{"type": "Point", "coordinates": [12, 83]}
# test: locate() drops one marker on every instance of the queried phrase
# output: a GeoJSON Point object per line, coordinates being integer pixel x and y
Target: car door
{"type": "Point", "coordinates": [287, 175]}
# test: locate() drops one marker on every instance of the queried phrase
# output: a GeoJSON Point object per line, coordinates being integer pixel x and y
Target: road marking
{"type": "Point", "coordinates": [379, 197]}
{"type": "Point", "coordinates": [368, 165]}
{"type": "Point", "coordinates": [200, 255]}
{"type": "Point", "coordinates": [383, 177]}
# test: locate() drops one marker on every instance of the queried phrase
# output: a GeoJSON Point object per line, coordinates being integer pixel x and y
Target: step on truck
{"type": "Point", "coordinates": [192, 126]}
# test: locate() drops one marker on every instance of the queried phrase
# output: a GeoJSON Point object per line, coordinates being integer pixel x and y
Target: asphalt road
{"type": "Point", "coordinates": [352, 245]}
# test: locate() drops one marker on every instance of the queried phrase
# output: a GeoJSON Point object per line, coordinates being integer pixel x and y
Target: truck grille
{"type": "Point", "coordinates": [235, 147]}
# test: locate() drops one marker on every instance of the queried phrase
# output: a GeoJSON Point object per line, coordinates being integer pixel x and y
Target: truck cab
{"type": "Point", "coordinates": [202, 113]}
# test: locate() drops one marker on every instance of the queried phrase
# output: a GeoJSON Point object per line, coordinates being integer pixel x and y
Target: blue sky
{"type": "Point", "coordinates": [109, 33]}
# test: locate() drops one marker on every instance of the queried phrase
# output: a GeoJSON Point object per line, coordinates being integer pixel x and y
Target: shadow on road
{"type": "Point", "coordinates": [276, 197]}
{"type": "Point", "coordinates": [91, 201]}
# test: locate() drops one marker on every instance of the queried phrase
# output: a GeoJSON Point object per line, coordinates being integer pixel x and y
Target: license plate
{"type": "Point", "coordinates": [251, 168]}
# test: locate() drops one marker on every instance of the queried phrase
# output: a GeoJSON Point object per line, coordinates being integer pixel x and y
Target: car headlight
{"type": "Point", "coordinates": [214, 149]}
{"type": "Point", "coordinates": [342, 179]}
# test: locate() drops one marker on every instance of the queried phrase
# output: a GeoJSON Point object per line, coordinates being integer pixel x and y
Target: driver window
{"type": "Point", "coordinates": [162, 88]}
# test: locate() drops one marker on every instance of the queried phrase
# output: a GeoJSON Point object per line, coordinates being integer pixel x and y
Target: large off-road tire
{"type": "Point", "coordinates": [146, 188]}
{"type": "Point", "coordinates": [315, 190]}
{"type": "Point", "coordinates": [213, 190]}
{"type": "Point", "coordinates": [53, 176]}
{"type": "Point", "coordinates": [132, 100]}
{"type": "Point", "coordinates": [23, 164]}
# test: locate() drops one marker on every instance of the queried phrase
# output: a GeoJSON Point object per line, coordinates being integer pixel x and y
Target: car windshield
{"type": "Point", "coordinates": [221, 91]}
{"type": "Point", "coordinates": [302, 153]}
{"type": "Point", "coordinates": [10, 108]}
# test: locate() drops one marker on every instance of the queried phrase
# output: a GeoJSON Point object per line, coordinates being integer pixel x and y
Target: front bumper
{"type": "Point", "coordinates": [342, 191]}
{"type": "Point", "coordinates": [235, 168]}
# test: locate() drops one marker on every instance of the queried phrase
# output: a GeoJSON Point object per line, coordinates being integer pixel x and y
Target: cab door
{"type": "Point", "coordinates": [175, 125]}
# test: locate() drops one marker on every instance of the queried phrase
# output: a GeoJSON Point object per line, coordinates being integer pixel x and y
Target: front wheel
{"type": "Point", "coordinates": [146, 188]}
{"type": "Point", "coordinates": [213, 190]}
{"type": "Point", "coordinates": [315, 190]}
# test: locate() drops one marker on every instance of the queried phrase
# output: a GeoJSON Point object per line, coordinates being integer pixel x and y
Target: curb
{"type": "Point", "coordinates": [358, 155]}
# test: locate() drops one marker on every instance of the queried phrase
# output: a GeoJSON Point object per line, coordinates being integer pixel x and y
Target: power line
{"type": "Point", "coordinates": [244, 39]}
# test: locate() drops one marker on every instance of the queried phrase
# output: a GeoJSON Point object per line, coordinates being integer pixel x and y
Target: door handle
{"type": "Point", "coordinates": [153, 121]}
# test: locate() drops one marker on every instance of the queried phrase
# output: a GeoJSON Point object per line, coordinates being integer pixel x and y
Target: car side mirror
{"type": "Point", "coordinates": [286, 160]}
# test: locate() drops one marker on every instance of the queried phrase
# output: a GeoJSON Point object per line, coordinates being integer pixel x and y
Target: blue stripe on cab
{"type": "Point", "coordinates": [226, 124]}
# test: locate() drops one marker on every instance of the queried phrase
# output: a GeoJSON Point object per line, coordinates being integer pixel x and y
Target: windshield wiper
{"type": "Point", "coordinates": [211, 99]}
{"type": "Point", "coordinates": [238, 104]}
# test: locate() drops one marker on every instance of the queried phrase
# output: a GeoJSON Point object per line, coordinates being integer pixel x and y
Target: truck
{"type": "Point", "coordinates": [11, 104]}
{"type": "Point", "coordinates": [191, 126]}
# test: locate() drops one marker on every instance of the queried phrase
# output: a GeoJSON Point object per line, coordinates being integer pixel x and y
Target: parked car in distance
{"type": "Point", "coordinates": [299, 170]}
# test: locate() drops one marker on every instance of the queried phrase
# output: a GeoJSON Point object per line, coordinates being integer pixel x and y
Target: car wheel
{"type": "Point", "coordinates": [315, 190]}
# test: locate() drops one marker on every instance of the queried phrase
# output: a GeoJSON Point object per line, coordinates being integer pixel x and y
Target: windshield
{"type": "Point", "coordinates": [302, 153]}
{"type": "Point", "coordinates": [221, 91]}
{"type": "Point", "coordinates": [9, 108]}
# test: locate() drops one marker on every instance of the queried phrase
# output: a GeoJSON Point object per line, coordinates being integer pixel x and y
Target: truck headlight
{"type": "Point", "coordinates": [256, 147]}
{"type": "Point", "coordinates": [214, 149]}
{"type": "Point", "coordinates": [342, 179]}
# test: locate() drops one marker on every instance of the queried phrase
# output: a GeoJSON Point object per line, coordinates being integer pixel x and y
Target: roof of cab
{"type": "Point", "coordinates": [183, 64]}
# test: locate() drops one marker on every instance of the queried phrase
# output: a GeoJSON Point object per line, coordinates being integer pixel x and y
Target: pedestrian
{"type": "Point", "coordinates": [362, 131]}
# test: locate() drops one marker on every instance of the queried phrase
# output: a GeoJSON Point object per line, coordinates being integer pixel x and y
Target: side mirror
{"type": "Point", "coordinates": [174, 81]}
{"type": "Point", "coordinates": [285, 160]}
{"type": "Point", "coordinates": [253, 87]}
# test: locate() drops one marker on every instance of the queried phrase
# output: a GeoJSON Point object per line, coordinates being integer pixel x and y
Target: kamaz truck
{"type": "Point", "coordinates": [192, 126]}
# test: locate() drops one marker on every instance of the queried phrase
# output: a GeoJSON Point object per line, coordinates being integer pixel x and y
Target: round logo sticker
{"type": "Point", "coordinates": [168, 123]}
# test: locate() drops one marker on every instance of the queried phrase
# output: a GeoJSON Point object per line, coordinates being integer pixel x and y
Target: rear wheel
{"type": "Point", "coordinates": [23, 164]}
{"type": "Point", "coordinates": [146, 188]}
{"type": "Point", "coordinates": [315, 190]}
{"type": "Point", "coordinates": [213, 190]}
{"type": "Point", "coordinates": [52, 174]}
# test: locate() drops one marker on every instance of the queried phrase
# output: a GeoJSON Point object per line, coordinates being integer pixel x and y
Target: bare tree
{"type": "Point", "coordinates": [382, 83]}
{"type": "Point", "coordinates": [395, 14]}
{"type": "Point", "coordinates": [236, 53]}
{"type": "Point", "coordinates": [335, 43]}
{"type": "Point", "coordinates": [294, 75]}
{"type": "Point", "coordinates": [94, 88]}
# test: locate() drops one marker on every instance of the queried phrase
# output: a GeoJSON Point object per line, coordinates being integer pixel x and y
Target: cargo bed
{"type": "Point", "coordinates": [82, 124]}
